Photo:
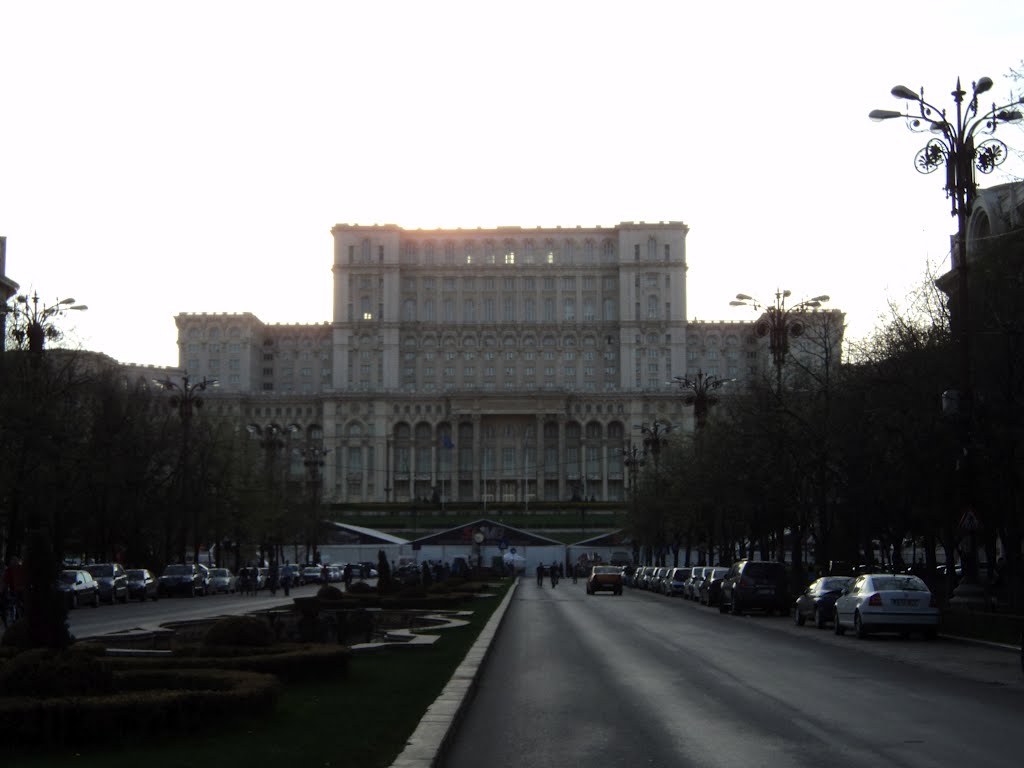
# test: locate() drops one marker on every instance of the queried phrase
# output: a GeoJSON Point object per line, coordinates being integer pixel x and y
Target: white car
{"type": "Point", "coordinates": [887, 602]}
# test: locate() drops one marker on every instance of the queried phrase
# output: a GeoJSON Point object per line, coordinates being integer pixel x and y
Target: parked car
{"type": "Point", "coordinates": [755, 585]}
{"type": "Point", "coordinates": [628, 575]}
{"type": "Point", "coordinates": [78, 588]}
{"type": "Point", "coordinates": [818, 601]}
{"type": "Point", "coordinates": [675, 584]}
{"type": "Point", "coordinates": [605, 577]}
{"type": "Point", "coordinates": [692, 587]}
{"type": "Point", "coordinates": [111, 580]}
{"type": "Point", "coordinates": [311, 574]}
{"type": "Point", "coordinates": [887, 602]}
{"type": "Point", "coordinates": [141, 584]}
{"type": "Point", "coordinates": [222, 580]}
{"type": "Point", "coordinates": [658, 580]}
{"type": "Point", "coordinates": [183, 579]}
{"type": "Point", "coordinates": [711, 586]}
{"type": "Point", "coordinates": [296, 574]}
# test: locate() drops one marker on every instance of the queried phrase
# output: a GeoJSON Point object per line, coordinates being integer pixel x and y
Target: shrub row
{"type": "Point", "coordinates": [289, 663]}
{"type": "Point", "coordinates": [143, 702]}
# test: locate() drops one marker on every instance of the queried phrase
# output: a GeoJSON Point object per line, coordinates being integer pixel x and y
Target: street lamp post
{"type": "Point", "coordinates": [700, 393]}
{"type": "Point", "coordinates": [955, 146]}
{"type": "Point", "coordinates": [313, 459]}
{"type": "Point", "coordinates": [33, 323]}
{"type": "Point", "coordinates": [271, 439]}
{"type": "Point", "coordinates": [654, 436]}
{"type": "Point", "coordinates": [186, 398]}
{"type": "Point", "coordinates": [633, 458]}
{"type": "Point", "coordinates": [779, 323]}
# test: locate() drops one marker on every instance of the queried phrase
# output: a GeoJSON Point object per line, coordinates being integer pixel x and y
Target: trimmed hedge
{"type": "Point", "coordinates": [287, 662]}
{"type": "Point", "coordinates": [247, 631]}
{"type": "Point", "coordinates": [144, 702]}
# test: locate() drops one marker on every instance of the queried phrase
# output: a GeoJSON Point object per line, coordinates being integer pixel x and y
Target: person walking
{"type": "Point", "coordinates": [346, 576]}
{"type": "Point", "coordinates": [540, 574]}
{"type": "Point", "coordinates": [286, 580]}
{"type": "Point", "coordinates": [554, 574]}
{"type": "Point", "coordinates": [272, 579]}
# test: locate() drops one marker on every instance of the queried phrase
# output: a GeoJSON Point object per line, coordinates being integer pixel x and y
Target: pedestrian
{"type": "Point", "coordinates": [272, 579]}
{"type": "Point", "coordinates": [286, 579]}
{"type": "Point", "coordinates": [540, 574]}
{"type": "Point", "coordinates": [346, 576]}
{"type": "Point", "coordinates": [554, 574]}
{"type": "Point", "coordinates": [575, 572]}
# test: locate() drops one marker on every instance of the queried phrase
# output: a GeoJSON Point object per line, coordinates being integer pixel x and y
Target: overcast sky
{"type": "Point", "coordinates": [158, 158]}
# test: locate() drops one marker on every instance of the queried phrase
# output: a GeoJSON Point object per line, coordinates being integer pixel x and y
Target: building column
{"type": "Point", "coordinates": [477, 458]}
{"type": "Point", "coordinates": [563, 465]}
{"type": "Point", "coordinates": [364, 482]}
{"type": "Point", "coordinates": [604, 462]}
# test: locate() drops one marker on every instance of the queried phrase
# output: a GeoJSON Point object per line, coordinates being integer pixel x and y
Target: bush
{"type": "Point", "coordinates": [287, 661]}
{"type": "Point", "coordinates": [17, 635]}
{"type": "Point", "coordinates": [248, 631]}
{"type": "Point", "coordinates": [44, 672]}
{"type": "Point", "coordinates": [141, 703]}
{"type": "Point", "coordinates": [329, 592]}
{"type": "Point", "coordinates": [360, 588]}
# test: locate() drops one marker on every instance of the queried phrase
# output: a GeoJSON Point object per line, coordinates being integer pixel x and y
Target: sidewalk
{"type": "Point", "coordinates": [430, 738]}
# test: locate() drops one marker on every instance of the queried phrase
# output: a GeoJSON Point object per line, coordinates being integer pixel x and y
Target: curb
{"type": "Point", "coordinates": [427, 743]}
{"type": "Point", "coordinates": [983, 643]}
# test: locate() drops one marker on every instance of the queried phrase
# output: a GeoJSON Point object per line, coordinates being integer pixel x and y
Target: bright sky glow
{"type": "Point", "coordinates": [158, 158]}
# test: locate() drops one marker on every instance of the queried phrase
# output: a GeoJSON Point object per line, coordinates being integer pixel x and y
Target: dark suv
{"type": "Point", "coordinates": [183, 579]}
{"type": "Point", "coordinates": [755, 585]}
{"type": "Point", "coordinates": [112, 581]}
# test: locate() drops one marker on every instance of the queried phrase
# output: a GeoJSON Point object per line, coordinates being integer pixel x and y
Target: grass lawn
{"type": "Point", "coordinates": [363, 720]}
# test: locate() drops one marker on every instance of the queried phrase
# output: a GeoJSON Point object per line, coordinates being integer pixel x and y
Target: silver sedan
{"type": "Point", "coordinates": [887, 602]}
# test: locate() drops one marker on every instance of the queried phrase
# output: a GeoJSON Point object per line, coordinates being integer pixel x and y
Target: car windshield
{"type": "Point", "coordinates": [719, 573]}
{"type": "Point", "coordinates": [68, 577]}
{"type": "Point", "coordinates": [908, 583]}
{"type": "Point", "coordinates": [761, 572]}
{"type": "Point", "coordinates": [178, 570]}
{"type": "Point", "coordinates": [835, 585]}
{"type": "Point", "coordinates": [100, 570]}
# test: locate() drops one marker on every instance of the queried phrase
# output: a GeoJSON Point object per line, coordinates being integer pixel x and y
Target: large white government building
{"type": "Point", "coordinates": [493, 365]}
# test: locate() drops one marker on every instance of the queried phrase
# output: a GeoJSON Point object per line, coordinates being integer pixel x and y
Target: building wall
{"type": "Point", "coordinates": [505, 364]}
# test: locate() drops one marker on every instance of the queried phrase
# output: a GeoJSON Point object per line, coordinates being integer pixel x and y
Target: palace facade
{"type": "Point", "coordinates": [507, 364]}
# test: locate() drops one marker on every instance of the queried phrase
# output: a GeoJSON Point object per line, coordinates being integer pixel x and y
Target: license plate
{"type": "Point", "coordinates": [903, 602]}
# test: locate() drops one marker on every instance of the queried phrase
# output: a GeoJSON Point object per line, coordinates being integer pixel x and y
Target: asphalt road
{"type": "Point", "coordinates": [89, 622]}
{"type": "Point", "coordinates": [644, 680]}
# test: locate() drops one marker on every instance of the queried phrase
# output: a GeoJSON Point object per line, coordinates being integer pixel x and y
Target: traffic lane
{"type": "Point", "coordinates": [574, 677]}
{"type": "Point", "coordinates": [89, 622]}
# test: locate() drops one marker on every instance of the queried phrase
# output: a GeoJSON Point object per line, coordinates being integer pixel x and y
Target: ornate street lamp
{"type": "Point", "coordinates": [633, 457]}
{"type": "Point", "coordinates": [33, 322]}
{"type": "Point", "coordinates": [955, 145]}
{"type": "Point", "coordinates": [654, 436]}
{"type": "Point", "coordinates": [779, 323]}
{"type": "Point", "coordinates": [272, 438]}
{"type": "Point", "coordinates": [700, 393]}
{"type": "Point", "coordinates": [186, 398]}
{"type": "Point", "coordinates": [313, 459]}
